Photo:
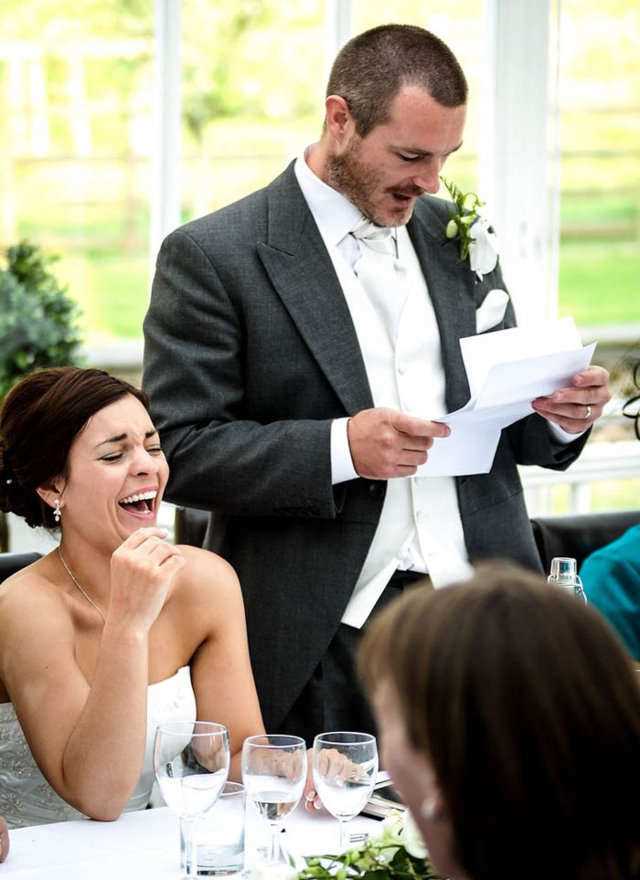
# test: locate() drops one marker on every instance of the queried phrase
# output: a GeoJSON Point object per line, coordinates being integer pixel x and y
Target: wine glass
{"type": "Point", "coordinates": [274, 771]}
{"type": "Point", "coordinates": [191, 763]}
{"type": "Point", "coordinates": [345, 765]}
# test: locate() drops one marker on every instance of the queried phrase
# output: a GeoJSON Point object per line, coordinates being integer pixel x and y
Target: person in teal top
{"type": "Point", "coordinates": [611, 579]}
{"type": "Point", "coordinates": [611, 575]}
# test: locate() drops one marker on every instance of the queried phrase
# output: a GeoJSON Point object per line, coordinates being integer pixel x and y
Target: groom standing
{"type": "Point", "coordinates": [288, 337]}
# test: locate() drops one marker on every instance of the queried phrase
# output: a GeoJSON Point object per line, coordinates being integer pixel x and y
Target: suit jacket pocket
{"type": "Point", "coordinates": [491, 313]}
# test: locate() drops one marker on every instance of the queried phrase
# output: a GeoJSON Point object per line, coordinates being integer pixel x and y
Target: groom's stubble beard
{"type": "Point", "coordinates": [356, 180]}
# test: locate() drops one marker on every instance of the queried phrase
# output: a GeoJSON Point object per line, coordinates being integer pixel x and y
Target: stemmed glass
{"type": "Point", "coordinates": [274, 770]}
{"type": "Point", "coordinates": [191, 763]}
{"type": "Point", "coordinates": [345, 765]}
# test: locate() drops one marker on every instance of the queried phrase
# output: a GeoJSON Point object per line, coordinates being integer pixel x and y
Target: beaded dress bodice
{"type": "Point", "coordinates": [26, 798]}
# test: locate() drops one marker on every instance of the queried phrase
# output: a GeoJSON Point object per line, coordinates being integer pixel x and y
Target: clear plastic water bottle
{"type": "Point", "coordinates": [564, 573]}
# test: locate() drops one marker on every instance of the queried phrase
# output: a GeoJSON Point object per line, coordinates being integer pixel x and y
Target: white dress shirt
{"type": "Point", "coordinates": [420, 527]}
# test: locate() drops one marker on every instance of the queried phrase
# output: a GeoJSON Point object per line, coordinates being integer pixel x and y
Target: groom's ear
{"type": "Point", "coordinates": [339, 121]}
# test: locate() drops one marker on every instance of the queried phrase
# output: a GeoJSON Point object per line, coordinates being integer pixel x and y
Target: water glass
{"type": "Point", "coordinates": [274, 771]}
{"type": "Point", "coordinates": [345, 766]}
{"type": "Point", "coordinates": [218, 837]}
{"type": "Point", "coordinates": [191, 763]}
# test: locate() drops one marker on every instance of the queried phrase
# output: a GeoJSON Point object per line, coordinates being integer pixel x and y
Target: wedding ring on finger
{"type": "Point", "coordinates": [588, 413]}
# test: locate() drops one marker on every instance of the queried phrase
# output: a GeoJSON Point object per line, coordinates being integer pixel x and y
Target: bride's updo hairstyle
{"type": "Point", "coordinates": [40, 418]}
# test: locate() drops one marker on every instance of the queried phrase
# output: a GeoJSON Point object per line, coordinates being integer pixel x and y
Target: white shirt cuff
{"type": "Point", "coordinates": [561, 435]}
{"type": "Point", "coordinates": [341, 464]}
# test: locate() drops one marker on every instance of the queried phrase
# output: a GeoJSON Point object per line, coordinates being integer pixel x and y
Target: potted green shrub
{"type": "Point", "coordinates": [38, 322]}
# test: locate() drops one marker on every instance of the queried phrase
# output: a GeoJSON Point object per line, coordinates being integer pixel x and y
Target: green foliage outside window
{"type": "Point", "coordinates": [37, 318]}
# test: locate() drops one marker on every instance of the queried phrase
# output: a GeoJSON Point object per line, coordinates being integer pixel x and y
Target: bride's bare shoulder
{"type": "Point", "coordinates": [36, 629]}
{"type": "Point", "coordinates": [206, 572]}
{"type": "Point", "coordinates": [30, 591]}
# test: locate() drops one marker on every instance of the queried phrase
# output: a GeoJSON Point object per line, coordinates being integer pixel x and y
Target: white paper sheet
{"type": "Point", "coordinates": [506, 370]}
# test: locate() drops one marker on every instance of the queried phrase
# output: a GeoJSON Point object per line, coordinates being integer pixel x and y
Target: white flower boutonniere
{"type": "Point", "coordinates": [467, 223]}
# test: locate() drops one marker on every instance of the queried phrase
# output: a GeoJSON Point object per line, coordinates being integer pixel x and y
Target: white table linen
{"type": "Point", "coordinates": [139, 846]}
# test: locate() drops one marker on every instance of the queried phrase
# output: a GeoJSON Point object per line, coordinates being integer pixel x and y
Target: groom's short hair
{"type": "Point", "coordinates": [370, 70]}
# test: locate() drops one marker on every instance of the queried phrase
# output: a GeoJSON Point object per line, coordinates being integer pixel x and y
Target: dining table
{"type": "Point", "coordinates": [144, 845]}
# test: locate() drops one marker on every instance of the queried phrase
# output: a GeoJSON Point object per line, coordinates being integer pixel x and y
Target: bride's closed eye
{"type": "Point", "coordinates": [116, 456]}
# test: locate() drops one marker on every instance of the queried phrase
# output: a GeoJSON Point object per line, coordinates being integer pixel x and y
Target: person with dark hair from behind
{"type": "Point", "coordinates": [116, 630]}
{"type": "Point", "coordinates": [611, 574]}
{"type": "Point", "coordinates": [510, 724]}
{"type": "Point", "coordinates": [289, 339]}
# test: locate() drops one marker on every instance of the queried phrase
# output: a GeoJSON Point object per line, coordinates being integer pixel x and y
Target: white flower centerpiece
{"type": "Point", "coordinates": [396, 852]}
{"type": "Point", "coordinates": [467, 223]}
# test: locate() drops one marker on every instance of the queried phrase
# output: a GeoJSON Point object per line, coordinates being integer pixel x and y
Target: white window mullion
{"type": "Point", "coordinates": [339, 26]}
{"type": "Point", "coordinates": [165, 195]}
{"type": "Point", "coordinates": [519, 150]}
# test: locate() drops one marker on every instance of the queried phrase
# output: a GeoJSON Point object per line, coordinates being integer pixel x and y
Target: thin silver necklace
{"type": "Point", "coordinates": [84, 593]}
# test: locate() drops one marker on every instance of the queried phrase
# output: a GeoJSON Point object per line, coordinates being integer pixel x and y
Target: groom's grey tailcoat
{"type": "Point", "coordinates": [250, 353]}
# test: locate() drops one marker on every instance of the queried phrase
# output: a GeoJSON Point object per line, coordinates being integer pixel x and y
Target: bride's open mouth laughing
{"type": "Point", "coordinates": [141, 505]}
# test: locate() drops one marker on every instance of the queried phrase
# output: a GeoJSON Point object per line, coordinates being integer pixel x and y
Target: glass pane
{"type": "Point", "coordinates": [605, 495]}
{"type": "Point", "coordinates": [458, 23]}
{"type": "Point", "coordinates": [252, 91]}
{"type": "Point", "coordinates": [75, 139]}
{"type": "Point", "coordinates": [600, 140]}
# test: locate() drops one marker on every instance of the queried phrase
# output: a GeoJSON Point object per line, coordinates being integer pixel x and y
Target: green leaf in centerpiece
{"type": "Point", "coordinates": [369, 861]}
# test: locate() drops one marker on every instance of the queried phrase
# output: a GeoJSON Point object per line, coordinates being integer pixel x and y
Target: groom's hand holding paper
{"type": "Point", "coordinates": [576, 408]}
{"type": "Point", "coordinates": [386, 443]}
{"type": "Point", "coordinates": [507, 371]}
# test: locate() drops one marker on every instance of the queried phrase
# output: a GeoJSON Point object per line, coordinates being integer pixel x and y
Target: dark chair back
{"type": "Point", "coordinates": [10, 563]}
{"type": "Point", "coordinates": [190, 526]}
{"type": "Point", "coordinates": [578, 535]}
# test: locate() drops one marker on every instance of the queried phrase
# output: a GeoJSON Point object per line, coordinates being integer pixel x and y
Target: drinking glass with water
{"type": "Point", "coordinates": [345, 766]}
{"type": "Point", "coordinates": [191, 763]}
{"type": "Point", "coordinates": [274, 771]}
{"type": "Point", "coordinates": [219, 834]}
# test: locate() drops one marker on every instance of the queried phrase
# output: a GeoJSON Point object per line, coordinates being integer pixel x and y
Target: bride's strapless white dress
{"type": "Point", "coordinates": [26, 798]}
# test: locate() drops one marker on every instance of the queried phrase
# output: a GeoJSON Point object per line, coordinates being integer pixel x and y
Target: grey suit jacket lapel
{"type": "Point", "coordinates": [300, 269]}
{"type": "Point", "coordinates": [454, 307]}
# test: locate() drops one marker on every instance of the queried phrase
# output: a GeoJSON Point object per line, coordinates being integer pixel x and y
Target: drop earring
{"type": "Point", "coordinates": [57, 515]}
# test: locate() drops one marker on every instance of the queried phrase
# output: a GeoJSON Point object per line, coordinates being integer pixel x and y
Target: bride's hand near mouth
{"type": "Point", "coordinates": [142, 571]}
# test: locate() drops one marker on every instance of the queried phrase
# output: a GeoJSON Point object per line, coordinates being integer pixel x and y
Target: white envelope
{"type": "Point", "coordinates": [492, 310]}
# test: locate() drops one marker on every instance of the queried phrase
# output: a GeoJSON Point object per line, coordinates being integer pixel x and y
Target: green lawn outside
{"type": "Point", "coordinates": [599, 285]}
{"type": "Point", "coordinates": [600, 282]}
{"type": "Point", "coordinates": [599, 210]}
{"type": "Point", "coordinates": [605, 495]}
{"type": "Point", "coordinates": [101, 230]}
{"type": "Point", "coordinates": [112, 292]}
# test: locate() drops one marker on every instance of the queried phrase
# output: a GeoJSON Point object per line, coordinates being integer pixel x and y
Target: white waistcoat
{"type": "Point", "coordinates": [420, 526]}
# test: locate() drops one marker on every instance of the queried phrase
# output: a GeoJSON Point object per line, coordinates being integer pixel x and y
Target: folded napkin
{"type": "Point", "coordinates": [492, 310]}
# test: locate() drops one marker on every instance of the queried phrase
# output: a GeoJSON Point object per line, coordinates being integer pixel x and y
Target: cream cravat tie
{"type": "Point", "coordinates": [382, 276]}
